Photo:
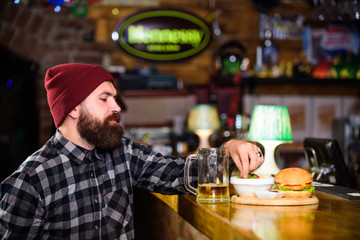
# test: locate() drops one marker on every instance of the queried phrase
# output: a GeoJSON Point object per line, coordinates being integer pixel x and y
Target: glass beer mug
{"type": "Point", "coordinates": [213, 175]}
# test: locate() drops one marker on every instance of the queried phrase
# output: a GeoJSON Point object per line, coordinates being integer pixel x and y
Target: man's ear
{"type": "Point", "coordinates": [75, 113]}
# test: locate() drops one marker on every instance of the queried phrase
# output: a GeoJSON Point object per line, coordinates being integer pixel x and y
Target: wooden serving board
{"type": "Point", "coordinates": [274, 202]}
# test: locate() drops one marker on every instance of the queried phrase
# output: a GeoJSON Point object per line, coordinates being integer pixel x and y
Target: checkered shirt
{"type": "Point", "coordinates": [63, 191]}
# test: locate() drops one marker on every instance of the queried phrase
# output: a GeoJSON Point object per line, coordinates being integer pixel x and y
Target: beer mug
{"type": "Point", "coordinates": [213, 175]}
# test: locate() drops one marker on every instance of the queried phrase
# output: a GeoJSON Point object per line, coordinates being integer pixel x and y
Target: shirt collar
{"type": "Point", "coordinates": [73, 151]}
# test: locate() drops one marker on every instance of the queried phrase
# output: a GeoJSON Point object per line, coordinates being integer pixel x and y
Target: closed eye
{"type": "Point", "coordinates": [105, 96]}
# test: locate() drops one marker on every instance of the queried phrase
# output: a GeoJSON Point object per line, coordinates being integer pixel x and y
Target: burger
{"type": "Point", "coordinates": [294, 182]}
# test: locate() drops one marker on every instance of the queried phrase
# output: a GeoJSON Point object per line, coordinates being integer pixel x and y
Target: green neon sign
{"type": "Point", "coordinates": [162, 35]}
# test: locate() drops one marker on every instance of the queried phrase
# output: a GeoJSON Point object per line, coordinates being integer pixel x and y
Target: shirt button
{"type": "Point", "coordinates": [96, 201]}
{"type": "Point", "coordinates": [96, 226]}
{"type": "Point", "coordinates": [91, 175]}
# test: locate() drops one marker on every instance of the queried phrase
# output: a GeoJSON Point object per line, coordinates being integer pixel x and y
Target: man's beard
{"type": "Point", "coordinates": [103, 135]}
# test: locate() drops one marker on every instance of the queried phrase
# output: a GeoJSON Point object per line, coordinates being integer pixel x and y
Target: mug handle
{"type": "Point", "coordinates": [187, 172]}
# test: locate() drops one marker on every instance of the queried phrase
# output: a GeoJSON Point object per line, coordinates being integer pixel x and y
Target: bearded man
{"type": "Point", "coordinates": [79, 185]}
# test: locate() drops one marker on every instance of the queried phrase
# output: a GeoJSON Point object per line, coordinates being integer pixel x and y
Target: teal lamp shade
{"type": "Point", "coordinates": [270, 123]}
{"type": "Point", "coordinates": [203, 120]}
{"type": "Point", "coordinates": [270, 126]}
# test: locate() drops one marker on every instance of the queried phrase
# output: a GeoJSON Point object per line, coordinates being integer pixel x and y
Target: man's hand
{"type": "Point", "coordinates": [244, 155]}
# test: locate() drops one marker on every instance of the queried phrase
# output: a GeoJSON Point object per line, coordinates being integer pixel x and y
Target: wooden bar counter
{"type": "Point", "coordinates": [332, 218]}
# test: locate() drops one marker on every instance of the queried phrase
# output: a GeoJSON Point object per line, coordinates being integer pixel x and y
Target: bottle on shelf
{"type": "Point", "coordinates": [259, 68]}
{"type": "Point", "coordinates": [270, 55]}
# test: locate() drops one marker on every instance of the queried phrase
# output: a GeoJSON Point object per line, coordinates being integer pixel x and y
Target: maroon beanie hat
{"type": "Point", "coordinates": [67, 85]}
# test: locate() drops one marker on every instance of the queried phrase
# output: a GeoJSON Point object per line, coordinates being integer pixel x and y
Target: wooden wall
{"type": "Point", "coordinates": [238, 20]}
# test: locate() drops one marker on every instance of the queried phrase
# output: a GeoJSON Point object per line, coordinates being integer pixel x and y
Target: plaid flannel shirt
{"type": "Point", "coordinates": [63, 191]}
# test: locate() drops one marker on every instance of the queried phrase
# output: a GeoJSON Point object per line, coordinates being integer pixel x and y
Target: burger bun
{"type": "Point", "coordinates": [293, 176]}
{"type": "Point", "coordinates": [297, 194]}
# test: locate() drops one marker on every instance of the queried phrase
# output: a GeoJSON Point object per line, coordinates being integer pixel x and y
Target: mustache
{"type": "Point", "coordinates": [115, 116]}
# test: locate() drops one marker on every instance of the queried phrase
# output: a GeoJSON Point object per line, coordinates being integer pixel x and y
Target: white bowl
{"type": "Point", "coordinates": [269, 194]}
{"type": "Point", "coordinates": [248, 187]}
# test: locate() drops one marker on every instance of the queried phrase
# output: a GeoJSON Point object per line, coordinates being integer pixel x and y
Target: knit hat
{"type": "Point", "coordinates": [67, 85]}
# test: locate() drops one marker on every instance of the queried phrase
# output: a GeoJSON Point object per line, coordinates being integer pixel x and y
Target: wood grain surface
{"type": "Point", "coordinates": [274, 202]}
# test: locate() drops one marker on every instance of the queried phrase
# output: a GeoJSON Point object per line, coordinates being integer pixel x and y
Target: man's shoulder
{"type": "Point", "coordinates": [126, 141]}
{"type": "Point", "coordinates": [31, 167]}
{"type": "Point", "coordinates": [130, 143]}
{"type": "Point", "coordinates": [39, 157]}
{"type": "Point", "coordinates": [127, 144]}
{"type": "Point", "coordinates": [132, 147]}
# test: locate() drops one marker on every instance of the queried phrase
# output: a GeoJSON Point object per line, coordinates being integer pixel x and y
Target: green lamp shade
{"type": "Point", "coordinates": [270, 123]}
{"type": "Point", "coordinates": [203, 116]}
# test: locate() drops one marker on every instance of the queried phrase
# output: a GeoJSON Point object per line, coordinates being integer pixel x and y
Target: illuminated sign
{"type": "Point", "coordinates": [162, 35]}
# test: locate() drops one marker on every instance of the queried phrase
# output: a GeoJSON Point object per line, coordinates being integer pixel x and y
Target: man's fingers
{"type": "Point", "coordinates": [244, 162]}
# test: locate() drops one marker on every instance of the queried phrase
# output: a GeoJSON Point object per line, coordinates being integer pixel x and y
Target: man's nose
{"type": "Point", "coordinates": [115, 107]}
